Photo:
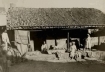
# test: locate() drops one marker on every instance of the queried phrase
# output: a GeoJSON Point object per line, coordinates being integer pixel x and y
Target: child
{"type": "Point", "coordinates": [73, 50]}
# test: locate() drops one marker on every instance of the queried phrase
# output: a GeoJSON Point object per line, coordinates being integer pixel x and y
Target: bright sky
{"type": "Point", "coordinates": [98, 4]}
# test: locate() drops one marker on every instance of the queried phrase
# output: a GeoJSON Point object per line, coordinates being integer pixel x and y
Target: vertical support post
{"type": "Point", "coordinates": [29, 44]}
{"type": "Point", "coordinates": [55, 38]}
{"type": "Point", "coordinates": [54, 35]}
{"type": "Point", "coordinates": [98, 40]}
{"type": "Point", "coordinates": [55, 42]}
{"type": "Point", "coordinates": [67, 40]}
{"type": "Point", "coordinates": [15, 32]}
{"type": "Point", "coordinates": [28, 34]}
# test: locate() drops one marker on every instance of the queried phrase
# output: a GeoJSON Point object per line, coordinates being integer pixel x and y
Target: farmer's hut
{"type": "Point", "coordinates": [53, 25]}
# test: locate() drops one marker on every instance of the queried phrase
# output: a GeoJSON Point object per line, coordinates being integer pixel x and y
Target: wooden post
{"type": "Point", "coordinates": [55, 39]}
{"type": "Point", "coordinates": [55, 42]}
{"type": "Point", "coordinates": [98, 40]}
{"type": "Point", "coordinates": [67, 40]}
{"type": "Point", "coordinates": [15, 32]}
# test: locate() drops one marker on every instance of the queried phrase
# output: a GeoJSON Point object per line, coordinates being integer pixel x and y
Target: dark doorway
{"type": "Point", "coordinates": [38, 37]}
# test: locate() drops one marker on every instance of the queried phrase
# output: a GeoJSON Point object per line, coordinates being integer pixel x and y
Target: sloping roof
{"type": "Point", "coordinates": [33, 17]}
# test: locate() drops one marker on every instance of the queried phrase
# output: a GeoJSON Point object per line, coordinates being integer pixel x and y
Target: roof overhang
{"type": "Point", "coordinates": [52, 27]}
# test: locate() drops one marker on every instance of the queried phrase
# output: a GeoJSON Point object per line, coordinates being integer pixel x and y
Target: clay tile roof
{"type": "Point", "coordinates": [54, 17]}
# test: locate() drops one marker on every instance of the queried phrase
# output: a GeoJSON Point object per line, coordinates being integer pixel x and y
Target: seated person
{"type": "Point", "coordinates": [44, 47]}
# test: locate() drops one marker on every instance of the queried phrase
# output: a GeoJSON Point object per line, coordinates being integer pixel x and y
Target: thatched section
{"type": "Point", "coordinates": [20, 17]}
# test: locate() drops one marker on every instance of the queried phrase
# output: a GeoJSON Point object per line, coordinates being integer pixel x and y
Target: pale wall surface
{"type": "Point", "coordinates": [3, 21]}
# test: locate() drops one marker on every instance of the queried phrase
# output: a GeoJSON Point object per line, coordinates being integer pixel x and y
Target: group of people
{"type": "Point", "coordinates": [73, 48]}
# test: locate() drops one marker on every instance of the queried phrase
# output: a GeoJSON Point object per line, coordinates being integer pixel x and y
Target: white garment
{"type": "Point", "coordinates": [88, 42]}
{"type": "Point", "coordinates": [73, 50]}
{"type": "Point", "coordinates": [43, 46]}
{"type": "Point", "coordinates": [5, 40]}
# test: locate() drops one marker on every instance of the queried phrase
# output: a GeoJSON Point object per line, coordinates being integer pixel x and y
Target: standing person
{"type": "Point", "coordinates": [44, 47]}
{"type": "Point", "coordinates": [88, 42]}
{"type": "Point", "coordinates": [4, 49]}
{"type": "Point", "coordinates": [73, 50]}
{"type": "Point", "coordinates": [5, 40]}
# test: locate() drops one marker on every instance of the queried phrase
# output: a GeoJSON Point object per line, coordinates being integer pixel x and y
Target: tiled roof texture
{"type": "Point", "coordinates": [54, 17]}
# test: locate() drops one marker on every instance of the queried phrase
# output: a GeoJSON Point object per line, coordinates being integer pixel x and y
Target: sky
{"type": "Point", "coordinates": [98, 4]}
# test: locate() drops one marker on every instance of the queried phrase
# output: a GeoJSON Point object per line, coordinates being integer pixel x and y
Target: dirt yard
{"type": "Point", "coordinates": [42, 66]}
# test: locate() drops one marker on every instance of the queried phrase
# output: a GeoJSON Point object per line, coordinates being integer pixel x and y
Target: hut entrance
{"type": "Point", "coordinates": [37, 38]}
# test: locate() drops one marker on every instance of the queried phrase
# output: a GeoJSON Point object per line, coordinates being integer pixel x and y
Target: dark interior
{"type": "Point", "coordinates": [40, 36]}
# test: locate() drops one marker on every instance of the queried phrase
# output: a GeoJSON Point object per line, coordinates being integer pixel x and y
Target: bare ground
{"type": "Point", "coordinates": [44, 66]}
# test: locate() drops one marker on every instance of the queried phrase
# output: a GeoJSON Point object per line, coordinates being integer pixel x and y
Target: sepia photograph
{"type": "Point", "coordinates": [52, 35]}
